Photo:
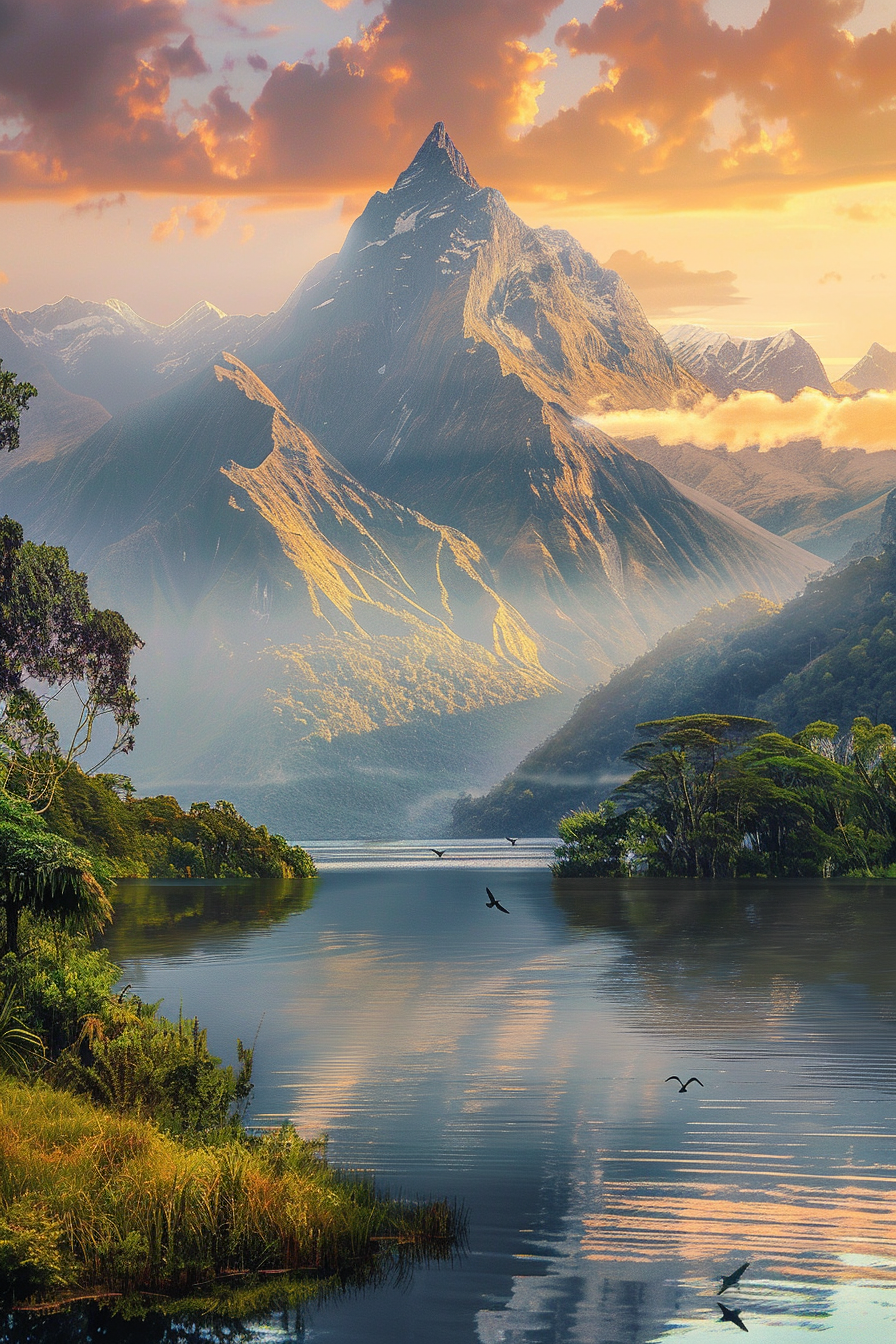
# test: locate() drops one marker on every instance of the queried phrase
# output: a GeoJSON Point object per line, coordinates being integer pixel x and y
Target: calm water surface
{"type": "Point", "coordinates": [516, 1062]}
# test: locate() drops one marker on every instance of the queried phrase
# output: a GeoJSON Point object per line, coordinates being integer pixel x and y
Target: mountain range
{"type": "Point", "coordinates": [377, 550]}
{"type": "Point", "coordinates": [784, 363]}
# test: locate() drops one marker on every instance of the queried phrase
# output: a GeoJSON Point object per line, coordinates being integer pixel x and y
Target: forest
{"type": "Point", "coordinates": [724, 795]}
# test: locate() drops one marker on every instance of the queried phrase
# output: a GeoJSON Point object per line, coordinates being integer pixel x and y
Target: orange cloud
{"type": "Point", "coordinates": [682, 111]}
{"type": "Point", "coordinates": [665, 286]}
{"type": "Point", "coordinates": [168, 228]}
{"type": "Point", "coordinates": [761, 419]}
{"type": "Point", "coordinates": [207, 217]}
{"type": "Point", "coordinates": [4, 278]}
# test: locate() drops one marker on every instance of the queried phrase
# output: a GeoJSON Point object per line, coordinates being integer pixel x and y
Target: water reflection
{"type": "Point", "coordinates": [518, 1064]}
{"type": "Point", "coordinates": [155, 918]}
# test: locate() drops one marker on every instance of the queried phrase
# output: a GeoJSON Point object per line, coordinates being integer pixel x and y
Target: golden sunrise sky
{"type": "Point", "coordinates": [734, 159]}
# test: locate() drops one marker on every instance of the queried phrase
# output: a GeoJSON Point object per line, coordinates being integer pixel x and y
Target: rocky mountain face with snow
{"type": "Point", "coordinates": [875, 371]}
{"type": "Point", "coordinates": [381, 546]}
{"type": "Point", "coordinates": [784, 363]}
{"type": "Point", "coordinates": [107, 352]}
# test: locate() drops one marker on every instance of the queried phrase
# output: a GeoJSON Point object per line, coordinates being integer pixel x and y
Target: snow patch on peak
{"type": "Point", "coordinates": [438, 154]}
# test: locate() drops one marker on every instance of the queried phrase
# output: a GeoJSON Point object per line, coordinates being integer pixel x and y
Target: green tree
{"type": "Point", "coordinates": [45, 875]}
{"type": "Point", "coordinates": [607, 843]}
{"type": "Point", "coordinates": [14, 398]}
{"type": "Point", "coordinates": [684, 782]}
{"type": "Point", "coordinates": [55, 644]}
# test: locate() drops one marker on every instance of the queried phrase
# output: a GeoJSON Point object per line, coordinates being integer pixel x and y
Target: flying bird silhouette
{"type": "Point", "coordinates": [512, 841]}
{"type": "Point", "coordinates": [684, 1086]}
{"type": "Point", "coordinates": [493, 904]}
{"type": "Point", "coordinates": [439, 852]}
{"type": "Point", "coordinates": [729, 1280]}
{"type": "Point", "coordinates": [731, 1314]}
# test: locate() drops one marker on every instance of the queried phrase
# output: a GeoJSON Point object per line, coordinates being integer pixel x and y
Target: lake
{"type": "Point", "coordinates": [516, 1063]}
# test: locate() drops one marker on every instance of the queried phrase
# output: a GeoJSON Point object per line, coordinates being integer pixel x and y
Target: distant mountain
{"type": "Point", "coordinates": [106, 351]}
{"type": "Point", "coordinates": [284, 605]}
{"type": "Point", "coordinates": [828, 654]}
{"type": "Point", "coordinates": [819, 498]}
{"type": "Point", "coordinates": [783, 364]}
{"type": "Point", "coordinates": [876, 370]}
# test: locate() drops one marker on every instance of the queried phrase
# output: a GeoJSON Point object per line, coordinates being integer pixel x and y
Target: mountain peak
{"type": "Point", "coordinates": [437, 155]}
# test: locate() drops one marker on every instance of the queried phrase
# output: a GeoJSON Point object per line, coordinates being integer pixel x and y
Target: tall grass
{"type": "Point", "coordinates": [95, 1201]}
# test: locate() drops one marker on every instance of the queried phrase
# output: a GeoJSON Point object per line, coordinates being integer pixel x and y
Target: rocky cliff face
{"type": "Point", "coordinates": [783, 364]}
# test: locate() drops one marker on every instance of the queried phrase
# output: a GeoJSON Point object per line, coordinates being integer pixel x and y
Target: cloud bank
{"type": "Point", "coordinates": [760, 419]}
{"type": "Point", "coordinates": [682, 111]}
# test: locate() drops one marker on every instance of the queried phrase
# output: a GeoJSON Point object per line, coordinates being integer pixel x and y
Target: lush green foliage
{"type": "Point", "coordinates": [717, 795]}
{"type": "Point", "coordinates": [44, 874]}
{"type": "Point", "coordinates": [14, 399]}
{"type": "Point", "coordinates": [54, 643]}
{"type": "Point", "coordinates": [154, 837]}
{"type": "Point", "coordinates": [19, 1045]}
{"type": "Point", "coordinates": [59, 982]}
{"type": "Point", "coordinates": [89, 1198]}
{"type": "Point", "coordinates": [135, 1062]}
{"type": "Point", "coordinates": [606, 842]}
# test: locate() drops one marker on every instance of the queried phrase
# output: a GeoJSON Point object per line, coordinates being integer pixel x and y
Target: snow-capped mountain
{"type": "Point", "coordinates": [108, 352]}
{"type": "Point", "coordinates": [784, 363]}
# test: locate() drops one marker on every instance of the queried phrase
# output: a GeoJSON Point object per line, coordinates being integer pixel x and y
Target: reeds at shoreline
{"type": "Point", "coordinates": [91, 1201]}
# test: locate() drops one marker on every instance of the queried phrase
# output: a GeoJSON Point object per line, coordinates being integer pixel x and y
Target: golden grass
{"type": "Point", "coordinates": [90, 1200]}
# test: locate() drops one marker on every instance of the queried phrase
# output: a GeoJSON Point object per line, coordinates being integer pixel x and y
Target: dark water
{"type": "Point", "coordinates": [516, 1062]}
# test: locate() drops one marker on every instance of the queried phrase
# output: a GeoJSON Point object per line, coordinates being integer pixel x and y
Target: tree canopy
{"type": "Point", "coordinates": [721, 795]}
{"type": "Point", "coordinates": [55, 644]}
{"type": "Point", "coordinates": [14, 398]}
{"type": "Point", "coordinates": [45, 874]}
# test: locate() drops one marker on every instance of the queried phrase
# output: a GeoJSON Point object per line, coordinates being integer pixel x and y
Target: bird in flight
{"type": "Point", "coordinates": [493, 904]}
{"type": "Point", "coordinates": [731, 1314]}
{"type": "Point", "coordinates": [512, 841]}
{"type": "Point", "coordinates": [729, 1280]}
{"type": "Point", "coordinates": [439, 852]}
{"type": "Point", "coordinates": [684, 1086]}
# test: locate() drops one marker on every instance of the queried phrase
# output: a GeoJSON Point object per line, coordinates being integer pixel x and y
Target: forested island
{"type": "Point", "coordinates": [723, 795]}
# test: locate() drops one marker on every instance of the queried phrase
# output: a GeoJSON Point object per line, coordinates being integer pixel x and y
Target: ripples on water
{"type": "Point", "coordinates": [517, 1063]}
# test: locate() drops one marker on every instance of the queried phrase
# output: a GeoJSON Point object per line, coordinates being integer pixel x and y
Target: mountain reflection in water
{"type": "Point", "coordinates": [517, 1064]}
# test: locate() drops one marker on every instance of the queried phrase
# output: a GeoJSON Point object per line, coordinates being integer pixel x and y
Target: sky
{"type": "Point", "coordinates": [735, 160]}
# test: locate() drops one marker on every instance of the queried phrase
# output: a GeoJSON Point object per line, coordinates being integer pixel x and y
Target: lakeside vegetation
{"type": "Point", "coordinates": [723, 795]}
{"type": "Point", "coordinates": [155, 837]}
{"type": "Point", "coordinates": [126, 1171]}
{"type": "Point", "coordinates": [111, 1203]}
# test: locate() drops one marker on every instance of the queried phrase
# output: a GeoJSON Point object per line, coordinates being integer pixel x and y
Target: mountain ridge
{"type": "Point", "coordinates": [783, 363]}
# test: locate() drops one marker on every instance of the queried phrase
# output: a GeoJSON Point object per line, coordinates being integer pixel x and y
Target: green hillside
{"type": "Point", "coordinates": [828, 654]}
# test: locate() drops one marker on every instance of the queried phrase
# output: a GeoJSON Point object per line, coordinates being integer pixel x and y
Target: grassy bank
{"type": "Point", "coordinates": [92, 1201]}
